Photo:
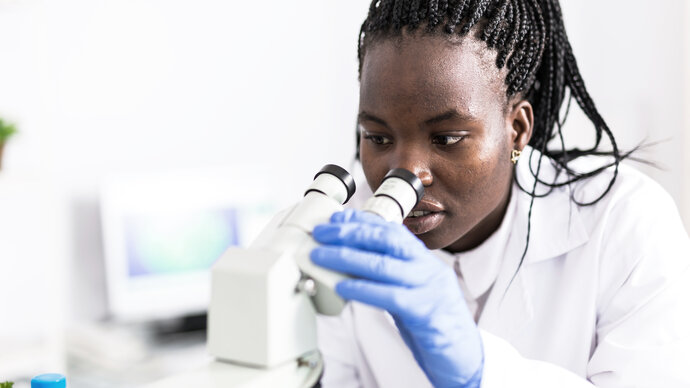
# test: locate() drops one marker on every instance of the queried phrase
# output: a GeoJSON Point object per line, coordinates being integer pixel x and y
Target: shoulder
{"type": "Point", "coordinates": [635, 230]}
{"type": "Point", "coordinates": [630, 186]}
{"type": "Point", "coordinates": [635, 205]}
{"type": "Point", "coordinates": [633, 218]}
{"type": "Point", "coordinates": [621, 194]}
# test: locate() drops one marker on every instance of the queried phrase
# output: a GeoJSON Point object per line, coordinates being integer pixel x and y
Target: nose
{"type": "Point", "coordinates": [415, 160]}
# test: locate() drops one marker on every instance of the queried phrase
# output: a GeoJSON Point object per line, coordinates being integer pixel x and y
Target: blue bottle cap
{"type": "Point", "coordinates": [48, 380]}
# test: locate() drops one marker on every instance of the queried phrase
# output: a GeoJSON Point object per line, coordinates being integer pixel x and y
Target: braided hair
{"type": "Point", "coordinates": [531, 43]}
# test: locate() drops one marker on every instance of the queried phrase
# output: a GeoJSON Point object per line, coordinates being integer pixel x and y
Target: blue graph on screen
{"type": "Point", "coordinates": [178, 242]}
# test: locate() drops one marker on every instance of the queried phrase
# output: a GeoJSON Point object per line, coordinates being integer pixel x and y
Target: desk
{"type": "Point", "coordinates": [130, 356]}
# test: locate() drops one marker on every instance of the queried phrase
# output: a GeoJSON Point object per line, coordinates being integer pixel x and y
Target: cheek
{"type": "Point", "coordinates": [492, 162]}
{"type": "Point", "coordinates": [494, 169]}
{"type": "Point", "coordinates": [493, 156]}
{"type": "Point", "coordinates": [482, 178]}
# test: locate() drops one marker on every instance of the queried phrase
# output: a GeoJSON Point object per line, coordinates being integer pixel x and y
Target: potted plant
{"type": "Point", "coordinates": [6, 131]}
{"type": "Point", "coordinates": [6, 384]}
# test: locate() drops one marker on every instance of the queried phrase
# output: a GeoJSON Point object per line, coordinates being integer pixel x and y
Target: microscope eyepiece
{"type": "Point", "coordinates": [341, 174]}
{"type": "Point", "coordinates": [408, 177]}
{"type": "Point", "coordinates": [399, 192]}
{"type": "Point", "coordinates": [334, 181]}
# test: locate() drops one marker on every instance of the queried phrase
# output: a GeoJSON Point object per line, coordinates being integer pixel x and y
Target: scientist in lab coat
{"type": "Point", "coordinates": [523, 265]}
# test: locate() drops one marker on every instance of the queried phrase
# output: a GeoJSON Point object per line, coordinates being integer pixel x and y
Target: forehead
{"type": "Point", "coordinates": [431, 72]}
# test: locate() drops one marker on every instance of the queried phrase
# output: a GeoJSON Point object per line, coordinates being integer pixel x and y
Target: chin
{"type": "Point", "coordinates": [432, 240]}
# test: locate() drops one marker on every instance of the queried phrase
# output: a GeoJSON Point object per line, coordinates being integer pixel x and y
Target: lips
{"type": "Point", "coordinates": [426, 216]}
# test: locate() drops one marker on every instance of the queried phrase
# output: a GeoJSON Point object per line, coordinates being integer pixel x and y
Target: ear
{"type": "Point", "coordinates": [521, 119]}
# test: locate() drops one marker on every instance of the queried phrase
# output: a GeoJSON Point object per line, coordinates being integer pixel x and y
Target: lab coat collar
{"type": "Point", "coordinates": [556, 224]}
{"type": "Point", "coordinates": [480, 266]}
{"type": "Point", "coordinates": [556, 229]}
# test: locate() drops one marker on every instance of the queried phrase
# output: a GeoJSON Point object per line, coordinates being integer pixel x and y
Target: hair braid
{"type": "Point", "coordinates": [510, 34]}
{"type": "Point", "coordinates": [396, 18]}
{"type": "Point", "coordinates": [433, 15]}
{"type": "Point", "coordinates": [490, 35]}
{"type": "Point", "coordinates": [480, 7]}
{"type": "Point", "coordinates": [456, 15]}
{"type": "Point", "coordinates": [414, 14]}
{"type": "Point", "coordinates": [442, 8]}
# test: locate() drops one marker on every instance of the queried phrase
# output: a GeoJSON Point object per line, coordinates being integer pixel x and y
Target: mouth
{"type": "Point", "coordinates": [425, 217]}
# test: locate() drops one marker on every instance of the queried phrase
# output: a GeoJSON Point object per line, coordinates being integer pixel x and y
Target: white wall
{"type": "Point", "coordinates": [99, 87]}
{"type": "Point", "coordinates": [633, 56]}
{"type": "Point", "coordinates": [129, 84]}
{"type": "Point", "coordinates": [685, 197]}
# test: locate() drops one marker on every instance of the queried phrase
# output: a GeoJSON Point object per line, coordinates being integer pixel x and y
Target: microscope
{"type": "Point", "coordinates": [264, 298]}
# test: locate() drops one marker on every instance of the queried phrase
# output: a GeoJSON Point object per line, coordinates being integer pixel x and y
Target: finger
{"type": "Point", "coordinates": [384, 296]}
{"type": "Point", "coordinates": [370, 265]}
{"type": "Point", "coordinates": [354, 215]}
{"type": "Point", "coordinates": [390, 239]}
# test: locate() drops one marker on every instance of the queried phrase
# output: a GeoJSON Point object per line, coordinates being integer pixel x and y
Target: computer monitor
{"type": "Point", "coordinates": [163, 232]}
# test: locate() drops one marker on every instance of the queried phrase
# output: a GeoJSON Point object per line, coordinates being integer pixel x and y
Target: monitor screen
{"type": "Point", "coordinates": [178, 243]}
{"type": "Point", "coordinates": [163, 232]}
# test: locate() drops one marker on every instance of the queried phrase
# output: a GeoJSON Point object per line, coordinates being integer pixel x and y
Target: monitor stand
{"type": "Point", "coordinates": [181, 325]}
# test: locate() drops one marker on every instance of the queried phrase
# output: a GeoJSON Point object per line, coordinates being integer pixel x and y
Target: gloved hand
{"type": "Point", "coordinates": [396, 272]}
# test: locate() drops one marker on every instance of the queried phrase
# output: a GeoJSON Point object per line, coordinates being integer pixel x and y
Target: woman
{"type": "Point", "coordinates": [570, 269]}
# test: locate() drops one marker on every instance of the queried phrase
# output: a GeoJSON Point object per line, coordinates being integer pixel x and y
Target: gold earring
{"type": "Point", "coordinates": [515, 155]}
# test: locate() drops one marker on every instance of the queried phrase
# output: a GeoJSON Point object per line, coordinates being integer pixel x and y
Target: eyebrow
{"type": "Point", "coordinates": [451, 114]}
{"type": "Point", "coordinates": [364, 116]}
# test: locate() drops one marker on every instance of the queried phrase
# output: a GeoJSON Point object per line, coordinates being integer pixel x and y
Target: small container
{"type": "Point", "coordinates": [48, 380]}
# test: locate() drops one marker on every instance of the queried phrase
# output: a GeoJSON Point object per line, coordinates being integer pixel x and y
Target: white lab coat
{"type": "Point", "coordinates": [602, 298]}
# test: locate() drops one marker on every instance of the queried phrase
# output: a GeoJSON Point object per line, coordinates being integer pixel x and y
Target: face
{"type": "Point", "coordinates": [439, 109]}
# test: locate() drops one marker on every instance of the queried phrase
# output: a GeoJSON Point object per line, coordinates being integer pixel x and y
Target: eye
{"type": "Point", "coordinates": [446, 139]}
{"type": "Point", "coordinates": [378, 139]}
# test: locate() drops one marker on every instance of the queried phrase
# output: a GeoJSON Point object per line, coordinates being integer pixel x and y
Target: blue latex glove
{"type": "Point", "coordinates": [396, 272]}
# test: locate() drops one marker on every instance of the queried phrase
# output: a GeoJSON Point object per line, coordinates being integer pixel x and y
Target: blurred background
{"type": "Point", "coordinates": [149, 129]}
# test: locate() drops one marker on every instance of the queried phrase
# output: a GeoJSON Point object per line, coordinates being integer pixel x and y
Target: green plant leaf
{"type": "Point", "coordinates": [6, 384]}
{"type": "Point", "coordinates": [6, 131]}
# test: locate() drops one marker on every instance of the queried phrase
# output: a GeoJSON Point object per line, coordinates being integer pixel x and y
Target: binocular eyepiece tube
{"type": "Point", "coordinates": [335, 182]}
{"type": "Point", "coordinates": [399, 192]}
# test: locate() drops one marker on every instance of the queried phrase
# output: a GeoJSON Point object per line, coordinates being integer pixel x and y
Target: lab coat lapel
{"type": "Point", "coordinates": [556, 228]}
{"type": "Point", "coordinates": [509, 306]}
{"type": "Point", "coordinates": [391, 362]}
